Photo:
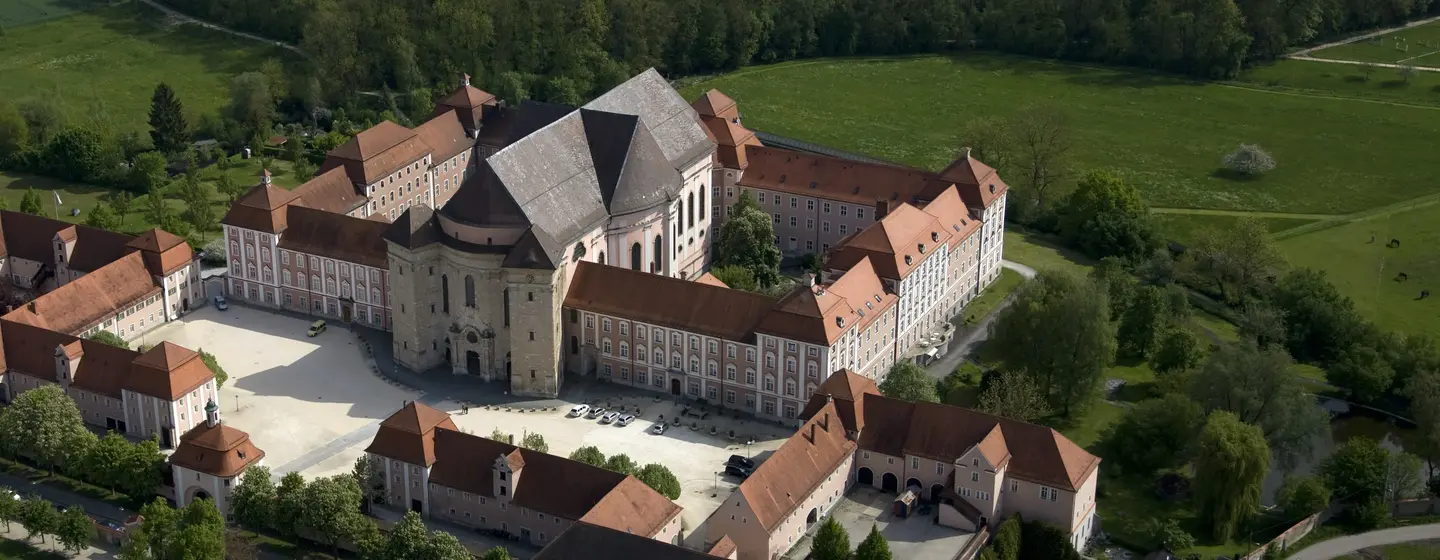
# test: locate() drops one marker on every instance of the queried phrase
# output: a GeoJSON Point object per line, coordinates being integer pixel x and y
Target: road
{"type": "Point", "coordinates": [1305, 52]}
{"type": "Point", "coordinates": [967, 339]}
{"type": "Point", "coordinates": [170, 12]}
{"type": "Point", "coordinates": [1335, 548]}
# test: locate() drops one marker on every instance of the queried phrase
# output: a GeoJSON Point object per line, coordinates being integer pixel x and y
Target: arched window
{"type": "Point", "coordinates": [445, 293]}
{"type": "Point", "coordinates": [770, 383]}
{"type": "Point", "coordinates": [285, 276]}
{"type": "Point", "coordinates": [659, 357]}
{"type": "Point", "coordinates": [640, 353]}
{"type": "Point", "coordinates": [624, 349]}
{"type": "Point", "coordinates": [680, 219]}
{"type": "Point", "coordinates": [790, 387]}
{"type": "Point", "coordinates": [601, 260]}
{"type": "Point", "coordinates": [375, 298]}
{"type": "Point", "coordinates": [329, 285]}
{"type": "Point", "coordinates": [345, 289]}
{"type": "Point", "coordinates": [635, 251]}
{"type": "Point", "coordinates": [314, 282]}
{"type": "Point", "coordinates": [469, 291]}
{"type": "Point", "coordinates": [250, 271]}
{"type": "Point", "coordinates": [267, 275]}
{"type": "Point", "coordinates": [691, 213]}
{"type": "Point", "coordinates": [702, 203]}
{"type": "Point", "coordinates": [655, 265]}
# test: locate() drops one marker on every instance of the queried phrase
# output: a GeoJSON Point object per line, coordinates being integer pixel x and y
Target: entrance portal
{"type": "Point", "coordinates": [674, 386]}
{"type": "Point", "coordinates": [890, 482]}
{"type": "Point", "coordinates": [472, 362]}
{"type": "Point", "coordinates": [865, 476]}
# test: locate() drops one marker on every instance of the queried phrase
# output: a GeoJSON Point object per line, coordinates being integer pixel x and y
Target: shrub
{"type": "Point", "coordinates": [1249, 159]}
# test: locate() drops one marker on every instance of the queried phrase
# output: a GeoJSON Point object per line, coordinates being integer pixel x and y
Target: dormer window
{"type": "Point", "coordinates": [908, 260]}
{"type": "Point", "coordinates": [782, 180]}
{"type": "Point", "coordinates": [241, 454]}
{"type": "Point", "coordinates": [840, 322]}
{"type": "Point", "coordinates": [922, 248]}
{"type": "Point", "coordinates": [992, 188]}
{"type": "Point", "coordinates": [877, 298]}
{"type": "Point", "coordinates": [935, 236]}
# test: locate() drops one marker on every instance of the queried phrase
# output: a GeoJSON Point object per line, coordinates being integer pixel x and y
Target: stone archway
{"type": "Point", "coordinates": [865, 476]}
{"type": "Point", "coordinates": [935, 492]}
{"type": "Point", "coordinates": [472, 362]}
{"type": "Point", "coordinates": [913, 483]}
{"type": "Point", "coordinates": [812, 518]}
{"type": "Point", "coordinates": [890, 482]}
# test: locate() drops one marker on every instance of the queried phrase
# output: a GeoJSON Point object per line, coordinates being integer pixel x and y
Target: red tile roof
{"type": "Point", "coordinates": [91, 298]}
{"type": "Point", "coordinates": [834, 178]}
{"type": "Point", "coordinates": [261, 209]}
{"type": "Point", "coordinates": [715, 104]}
{"type": "Point", "coordinates": [217, 450]}
{"type": "Point", "coordinates": [981, 185]}
{"type": "Point", "coordinates": [445, 134]}
{"type": "Point", "coordinates": [896, 245]}
{"type": "Point", "coordinates": [847, 391]}
{"type": "Point", "coordinates": [409, 434]}
{"type": "Point", "coordinates": [823, 313]}
{"type": "Point", "coordinates": [164, 252]}
{"type": "Point", "coordinates": [795, 470]}
{"type": "Point", "coordinates": [338, 236]}
{"type": "Point", "coordinates": [669, 302]}
{"type": "Point", "coordinates": [166, 371]}
{"type": "Point", "coordinates": [377, 152]}
{"type": "Point", "coordinates": [332, 191]}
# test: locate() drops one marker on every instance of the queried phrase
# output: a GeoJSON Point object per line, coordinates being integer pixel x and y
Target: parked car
{"type": "Point", "coordinates": [221, 304]}
{"type": "Point", "coordinates": [625, 420]}
{"type": "Point", "coordinates": [741, 462]}
{"type": "Point", "coordinates": [595, 412]}
{"type": "Point", "coordinates": [659, 428]}
{"type": "Point", "coordinates": [738, 471]}
{"type": "Point", "coordinates": [315, 329]}
{"type": "Point", "coordinates": [579, 410]}
{"type": "Point", "coordinates": [610, 417]}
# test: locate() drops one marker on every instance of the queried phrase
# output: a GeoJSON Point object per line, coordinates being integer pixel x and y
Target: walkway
{"type": "Point", "coordinates": [1335, 548]}
{"type": "Point", "coordinates": [968, 338]}
{"type": "Point", "coordinates": [1302, 53]}
{"type": "Point", "coordinates": [170, 12]}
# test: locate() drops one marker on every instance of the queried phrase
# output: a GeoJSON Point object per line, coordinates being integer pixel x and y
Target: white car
{"type": "Point", "coordinates": [579, 410]}
{"type": "Point", "coordinates": [609, 418]}
{"type": "Point", "coordinates": [625, 420]}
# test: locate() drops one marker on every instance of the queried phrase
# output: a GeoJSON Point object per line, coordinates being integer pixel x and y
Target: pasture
{"type": "Point", "coordinates": [1414, 46]}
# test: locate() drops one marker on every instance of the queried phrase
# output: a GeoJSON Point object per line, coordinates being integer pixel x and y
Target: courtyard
{"type": "Point", "coordinates": [312, 404]}
{"type": "Point", "coordinates": [693, 455]}
{"type": "Point", "coordinates": [917, 536]}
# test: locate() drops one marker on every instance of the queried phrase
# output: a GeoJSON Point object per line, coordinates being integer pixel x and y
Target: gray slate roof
{"type": "Point", "coordinates": [669, 118]}
{"type": "Point", "coordinates": [618, 155]}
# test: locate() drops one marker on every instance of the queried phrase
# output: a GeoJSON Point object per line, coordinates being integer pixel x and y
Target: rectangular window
{"type": "Point", "coordinates": [914, 462]}
{"type": "Point", "coordinates": [843, 209]}
{"type": "Point", "coordinates": [826, 208]}
{"type": "Point", "coordinates": [859, 213]}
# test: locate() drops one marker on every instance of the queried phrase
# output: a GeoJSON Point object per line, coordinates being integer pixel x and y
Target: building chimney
{"type": "Point", "coordinates": [212, 414]}
{"type": "Point", "coordinates": [465, 80]}
{"type": "Point", "coordinates": [265, 177]}
{"type": "Point", "coordinates": [882, 209]}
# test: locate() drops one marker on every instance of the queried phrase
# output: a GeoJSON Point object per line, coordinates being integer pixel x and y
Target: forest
{"type": "Point", "coordinates": [568, 50]}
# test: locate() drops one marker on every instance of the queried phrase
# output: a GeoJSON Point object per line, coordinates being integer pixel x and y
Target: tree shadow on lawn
{"type": "Point", "coordinates": [20, 550]}
{"type": "Point", "coordinates": [1073, 72]}
{"type": "Point", "coordinates": [1128, 503]}
{"type": "Point", "coordinates": [216, 49]}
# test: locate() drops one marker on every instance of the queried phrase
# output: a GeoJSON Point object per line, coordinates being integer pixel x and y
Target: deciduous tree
{"type": "Point", "coordinates": [9, 506]}
{"type": "Point", "coordinates": [1105, 217]}
{"type": "Point", "coordinates": [210, 362]}
{"type": "Point", "coordinates": [661, 479]}
{"type": "Point", "coordinates": [331, 509]}
{"type": "Point", "coordinates": [14, 132]}
{"type": "Point", "coordinates": [1362, 372]}
{"type": "Point", "coordinates": [496, 553]}
{"type": "Point", "coordinates": [38, 516]}
{"type": "Point", "coordinates": [1014, 395]}
{"type": "Point", "coordinates": [1300, 496]}
{"type": "Point", "coordinates": [535, 442]}
{"type": "Point", "coordinates": [30, 203]}
{"type": "Point", "coordinates": [589, 455]}
{"type": "Point", "coordinates": [622, 464]}
{"type": "Point", "coordinates": [736, 276]}
{"type": "Point", "coordinates": [74, 529]}
{"type": "Point", "coordinates": [748, 239]}
{"type": "Point", "coordinates": [909, 382]}
{"type": "Point", "coordinates": [104, 217]}
{"type": "Point", "coordinates": [1320, 322]}
{"type": "Point", "coordinates": [1258, 387]}
{"type": "Point", "coordinates": [107, 337]}
{"type": "Point", "coordinates": [289, 506]}
{"type": "Point", "coordinates": [1179, 351]}
{"type": "Point", "coordinates": [43, 423]}
{"type": "Point", "coordinates": [200, 533]}
{"type": "Point", "coordinates": [253, 502]}
{"type": "Point", "coordinates": [1229, 469]}
{"type": "Point", "coordinates": [1059, 332]}
{"type": "Point", "coordinates": [1144, 322]}
{"type": "Point", "coordinates": [1155, 434]}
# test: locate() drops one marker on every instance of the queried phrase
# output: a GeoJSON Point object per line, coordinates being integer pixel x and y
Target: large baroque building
{"type": "Point", "coordinates": [979, 468]}
{"type": "Point", "coordinates": [494, 246]}
{"type": "Point", "coordinates": [429, 466]}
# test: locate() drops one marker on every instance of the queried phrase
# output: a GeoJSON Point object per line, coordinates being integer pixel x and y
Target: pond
{"type": "Point", "coordinates": [1352, 422]}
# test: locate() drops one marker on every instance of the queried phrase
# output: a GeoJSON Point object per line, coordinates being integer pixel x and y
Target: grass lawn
{"type": "Point", "coordinates": [1408, 551]}
{"type": "Point", "coordinates": [1036, 252]}
{"type": "Point", "coordinates": [105, 63]}
{"type": "Point", "coordinates": [1369, 273]}
{"type": "Point", "coordinates": [1166, 135]}
{"type": "Point", "coordinates": [1328, 78]}
{"type": "Point", "coordinates": [1202, 322]}
{"type": "Point", "coordinates": [1392, 47]}
{"type": "Point", "coordinates": [1186, 228]}
{"type": "Point", "coordinates": [981, 306]}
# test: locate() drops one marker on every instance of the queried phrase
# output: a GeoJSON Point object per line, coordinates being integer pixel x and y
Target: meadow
{"type": "Point", "coordinates": [1416, 46]}
{"type": "Point", "coordinates": [102, 65]}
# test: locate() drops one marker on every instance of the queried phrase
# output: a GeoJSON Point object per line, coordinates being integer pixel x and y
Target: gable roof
{"type": "Point", "coordinates": [844, 180]}
{"type": "Point", "coordinates": [409, 434]}
{"type": "Point", "coordinates": [331, 190]}
{"type": "Point", "coordinates": [788, 477]}
{"type": "Point", "coordinates": [896, 245]}
{"type": "Point", "coordinates": [847, 391]}
{"type": "Point", "coordinates": [377, 152]}
{"type": "Point", "coordinates": [168, 371]}
{"type": "Point", "coordinates": [338, 236]}
{"type": "Point", "coordinates": [467, 96]}
{"type": "Point", "coordinates": [91, 298]}
{"type": "Point", "coordinates": [669, 302]}
{"type": "Point", "coordinates": [262, 208]}
{"type": "Point", "coordinates": [217, 450]}
{"type": "Point", "coordinates": [155, 240]}
{"type": "Point", "coordinates": [593, 542]}
{"type": "Point", "coordinates": [445, 134]}
{"type": "Point", "coordinates": [165, 372]}
{"type": "Point", "coordinates": [712, 103]}
{"type": "Point", "coordinates": [944, 433]}
{"type": "Point", "coordinates": [163, 252]}
{"type": "Point", "coordinates": [823, 313]}
{"type": "Point", "coordinates": [95, 248]}
{"type": "Point", "coordinates": [664, 113]}
{"type": "Point", "coordinates": [982, 185]}
{"type": "Point", "coordinates": [590, 494]}
{"type": "Point", "coordinates": [29, 236]}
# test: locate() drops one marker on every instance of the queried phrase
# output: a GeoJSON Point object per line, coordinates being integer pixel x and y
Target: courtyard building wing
{"type": "Point", "coordinates": [262, 208]}
{"type": "Point", "coordinates": [87, 300]}
{"type": "Point", "coordinates": [337, 236]}
{"type": "Point", "coordinates": [669, 302]}
{"type": "Point", "coordinates": [801, 464]}
{"type": "Point", "coordinates": [844, 180]}
{"type": "Point", "coordinates": [409, 434]}
{"type": "Point", "coordinates": [594, 542]}
{"type": "Point", "coordinates": [331, 191]}
{"type": "Point", "coordinates": [377, 152]}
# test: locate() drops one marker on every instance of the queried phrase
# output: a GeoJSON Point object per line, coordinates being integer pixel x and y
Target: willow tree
{"type": "Point", "coordinates": [1231, 465]}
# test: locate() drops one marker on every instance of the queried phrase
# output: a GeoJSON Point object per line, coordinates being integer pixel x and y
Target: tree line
{"type": "Point", "coordinates": [567, 50]}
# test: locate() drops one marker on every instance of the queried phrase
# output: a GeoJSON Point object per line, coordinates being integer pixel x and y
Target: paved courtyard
{"type": "Point", "coordinates": [311, 403]}
{"type": "Point", "coordinates": [693, 455]}
{"type": "Point", "coordinates": [917, 536]}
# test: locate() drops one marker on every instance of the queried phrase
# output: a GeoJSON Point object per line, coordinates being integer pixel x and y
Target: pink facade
{"type": "Point", "coordinates": [131, 413]}
{"type": "Point", "coordinates": [806, 224]}
{"type": "Point", "coordinates": [263, 273]}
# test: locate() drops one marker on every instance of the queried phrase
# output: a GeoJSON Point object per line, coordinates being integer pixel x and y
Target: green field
{"type": "Point", "coordinates": [1166, 135]}
{"type": "Point", "coordinates": [104, 64]}
{"type": "Point", "coordinates": [1327, 78]}
{"type": "Point", "coordinates": [1417, 46]}
{"type": "Point", "coordinates": [15, 13]}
